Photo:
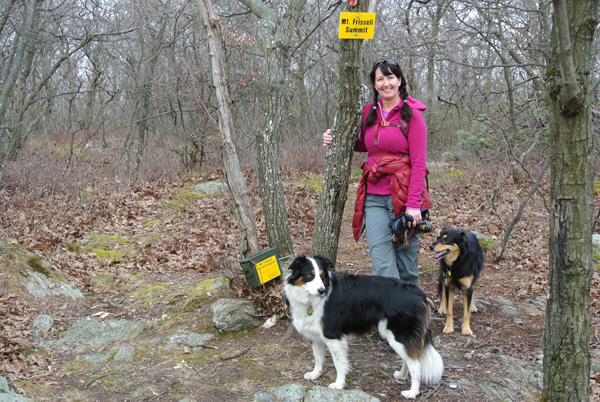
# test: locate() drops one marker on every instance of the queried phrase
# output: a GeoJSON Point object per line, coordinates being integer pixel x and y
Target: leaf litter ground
{"type": "Point", "coordinates": [139, 255]}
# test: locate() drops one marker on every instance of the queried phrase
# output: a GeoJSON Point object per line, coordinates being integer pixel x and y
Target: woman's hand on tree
{"type": "Point", "coordinates": [327, 138]}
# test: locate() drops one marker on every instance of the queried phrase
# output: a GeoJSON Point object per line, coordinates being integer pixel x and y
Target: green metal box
{"type": "Point", "coordinates": [261, 267]}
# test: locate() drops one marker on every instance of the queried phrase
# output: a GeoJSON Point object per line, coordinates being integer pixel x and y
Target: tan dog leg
{"type": "Point", "coordinates": [472, 307]}
{"type": "Point", "coordinates": [466, 328]}
{"type": "Point", "coordinates": [442, 309]}
{"type": "Point", "coordinates": [449, 314]}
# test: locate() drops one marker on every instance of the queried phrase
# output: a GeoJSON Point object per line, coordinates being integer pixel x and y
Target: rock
{"type": "Point", "coordinates": [298, 393]}
{"type": "Point", "coordinates": [595, 357]}
{"type": "Point", "coordinates": [483, 238]}
{"type": "Point", "coordinates": [89, 332]}
{"type": "Point", "coordinates": [96, 358]}
{"type": "Point", "coordinates": [287, 393]}
{"type": "Point", "coordinates": [514, 310]}
{"type": "Point", "coordinates": [192, 340]}
{"type": "Point", "coordinates": [596, 240]}
{"type": "Point", "coordinates": [124, 353]}
{"type": "Point", "coordinates": [209, 189]}
{"type": "Point", "coordinates": [198, 340]}
{"type": "Point", "coordinates": [325, 394]}
{"type": "Point", "coordinates": [40, 323]}
{"type": "Point", "coordinates": [8, 394]}
{"type": "Point", "coordinates": [39, 278]}
{"type": "Point", "coordinates": [234, 315]}
{"type": "Point", "coordinates": [527, 389]}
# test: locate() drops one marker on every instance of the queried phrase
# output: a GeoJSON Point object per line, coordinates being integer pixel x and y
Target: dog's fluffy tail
{"type": "Point", "coordinates": [432, 365]}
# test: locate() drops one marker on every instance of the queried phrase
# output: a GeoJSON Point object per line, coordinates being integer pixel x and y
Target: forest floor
{"type": "Point", "coordinates": [165, 238]}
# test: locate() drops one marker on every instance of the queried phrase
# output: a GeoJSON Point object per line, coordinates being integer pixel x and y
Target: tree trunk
{"type": "Point", "coordinates": [146, 92]}
{"type": "Point", "coordinates": [338, 158]}
{"type": "Point", "coordinates": [567, 325]}
{"type": "Point", "coordinates": [274, 36]}
{"type": "Point", "coordinates": [235, 179]}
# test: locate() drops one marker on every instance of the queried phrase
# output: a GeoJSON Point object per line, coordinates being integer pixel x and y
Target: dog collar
{"type": "Point", "coordinates": [447, 274]}
{"type": "Point", "coordinates": [310, 311]}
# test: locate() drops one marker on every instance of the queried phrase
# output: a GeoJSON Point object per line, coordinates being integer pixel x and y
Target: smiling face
{"type": "Point", "coordinates": [387, 86]}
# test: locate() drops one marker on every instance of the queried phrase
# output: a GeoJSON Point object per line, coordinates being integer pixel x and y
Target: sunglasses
{"type": "Point", "coordinates": [386, 61]}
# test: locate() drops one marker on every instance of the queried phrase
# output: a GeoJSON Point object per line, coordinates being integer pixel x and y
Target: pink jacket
{"type": "Point", "coordinates": [397, 168]}
{"type": "Point", "coordinates": [391, 140]}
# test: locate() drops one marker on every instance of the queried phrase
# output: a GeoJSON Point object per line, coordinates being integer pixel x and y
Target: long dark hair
{"type": "Point", "coordinates": [389, 67]}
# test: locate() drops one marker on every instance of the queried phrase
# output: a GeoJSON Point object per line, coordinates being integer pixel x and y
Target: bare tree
{"type": "Point", "coordinates": [339, 153]}
{"type": "Point", "coordinates": [567, 324]}
{"type": "Point", "coordinates": [235, 179]}
{"type": "Point", "coordinates": [274, 36]}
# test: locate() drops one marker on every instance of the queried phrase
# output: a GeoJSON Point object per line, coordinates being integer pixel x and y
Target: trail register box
{"type": "Point", "coordinates": [261, 267]}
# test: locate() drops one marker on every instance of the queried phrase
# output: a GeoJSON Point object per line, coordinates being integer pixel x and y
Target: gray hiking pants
{"type": "Point", "coordinates": [387, 259]}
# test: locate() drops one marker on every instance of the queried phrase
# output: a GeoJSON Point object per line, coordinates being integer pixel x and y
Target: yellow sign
{"type": "Point", "coordinates": [357, 25]}
{"type": "Point", "coordinates": [268, 269]}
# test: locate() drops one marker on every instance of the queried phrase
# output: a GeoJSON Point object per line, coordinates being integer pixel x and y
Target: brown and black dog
{"type": "Point", "coordinates": [461, 260]}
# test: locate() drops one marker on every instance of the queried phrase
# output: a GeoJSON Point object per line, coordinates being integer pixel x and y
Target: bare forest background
{"type": "Point", "coordinates": [134, 79]}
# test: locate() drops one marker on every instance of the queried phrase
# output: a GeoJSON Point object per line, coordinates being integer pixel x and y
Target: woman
{"type": "Point", "coordinates": [393, 133]}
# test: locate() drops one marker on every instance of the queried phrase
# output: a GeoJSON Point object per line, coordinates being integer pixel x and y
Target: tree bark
{"type": "Point", "coordinates": [274, 36]}
{"type": "Point", "coordinates": [339, 153]}
{"type": "Point", "coordinates": [567, 324]}
{"type": "Point", "coordinates": [235, 179]}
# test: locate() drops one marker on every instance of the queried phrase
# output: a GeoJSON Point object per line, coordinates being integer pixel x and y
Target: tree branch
{"type": "Point", "coordinates": [571, 92]}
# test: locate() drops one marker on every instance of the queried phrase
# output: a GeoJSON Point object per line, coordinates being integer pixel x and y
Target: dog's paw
{"type": "Point", "coordinates": [337, 385]}
{"type": "Point", "coordinates": [401, 375]}
{"type": "Point", "coordinates": [467, 331]}
{"type": "Point", "coordinates": [410, 394]}
{"type": "Point", "coordinates": [313, 375]}
{"type": "Point", "coordinates": [448, 329]}
{"type": "Point", "coordinates": [442, 310]}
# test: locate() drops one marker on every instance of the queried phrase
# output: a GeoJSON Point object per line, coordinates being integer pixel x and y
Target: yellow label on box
{"type": "Point", "coordinates": [268, 269]}
{"type": "Point", "coordinates": [357, 25]}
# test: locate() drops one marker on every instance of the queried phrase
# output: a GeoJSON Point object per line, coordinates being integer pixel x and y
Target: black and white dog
{"type": "Point", "coordinates": [327, 307]}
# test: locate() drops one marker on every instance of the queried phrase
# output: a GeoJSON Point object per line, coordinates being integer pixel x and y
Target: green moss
{"type": "Point", "coordinates": [186, 193]}
{"type": "Point", "coordinates": [111, 254]}
{"type": "Point", "coordinates": [30, 351]}
{"type": "Point", "coordinates": [74, 248]}
{"type": "Point", "coordinates": [103, 281]}
{"type": "Point", "coordinates": [488, 243]}
{"type": "Point", "coordinates": [106, 246]}
{"type": "Point", "coordinates": [78, 366]}
{"type": "Point", "coordinates": [35, 263]}
{"type": "Point", "coordinates": [150, 223]}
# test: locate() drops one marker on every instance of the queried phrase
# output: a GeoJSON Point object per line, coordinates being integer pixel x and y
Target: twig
{"type": "Point", "coordinates": [289, 332]}
{"type": "Point", "coordinates": [97, 378]}
{"type": "Point", "coordinates": [208, 347]}
{"type": "Point", "coordinates": [597, 339]}
{"type": "Point", "coordinates": [491, 333]}
{"type": "Point", "coordinates": [434, 390]}
{"type": "Point", "coordinates": [127, 291]}
{"type": "Point", "coordinates": [234, 356]}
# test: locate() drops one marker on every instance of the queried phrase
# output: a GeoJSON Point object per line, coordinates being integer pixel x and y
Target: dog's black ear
{"type": "Point", "coordinates": [326, 262]}
{"type": "Point", "coordinates": [294, 268]}
{"type": "Point", "coordinates": [464, 237]}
